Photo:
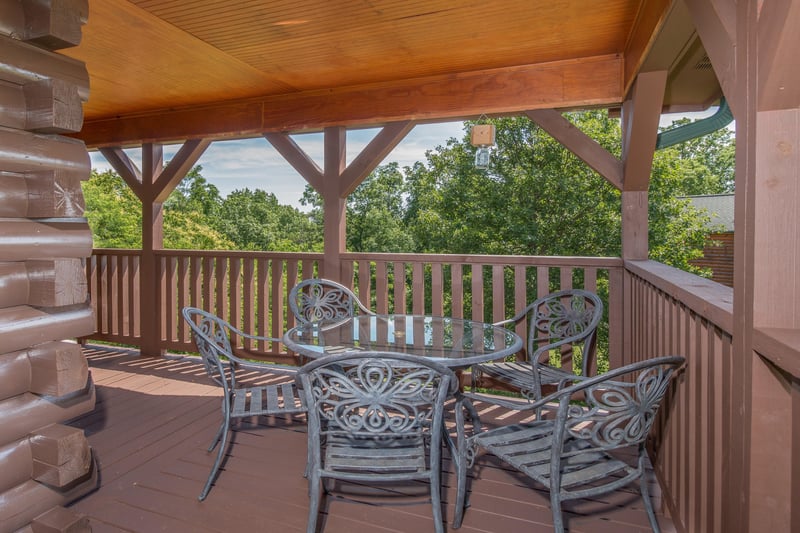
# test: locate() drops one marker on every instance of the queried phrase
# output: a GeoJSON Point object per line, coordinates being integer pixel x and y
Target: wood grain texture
{"type": "Point", "coordinates": [164, 54]}
{"type": "Point", "coordinates": [24, 63]}
{"type": "Point", "coordinates": [29, 152]}
{"type": "Point", "coordinates": [22, 239]}
{"type": "Point", "coordinates": [51, 24]}
{"type": "Point", "coordinates": [61, 455]}
{"type": "Point", "coordinates": [23, 326]}
{"type": "Point", "coordinates": [570, 83]}
{"type": "Point", "coordinates": [57, 368]}
{"type": "Point", "coordinates": [56, 282]}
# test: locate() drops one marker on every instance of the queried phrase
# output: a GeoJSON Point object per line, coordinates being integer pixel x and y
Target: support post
{"type": "Point", "coordinates": [337, 180]}
{"type": "Point", "coordinates": [335, 216]}
{"type": "Point", "coordinates": [153, 185]}
{"type": "Point", "coordinates": [640, 115]}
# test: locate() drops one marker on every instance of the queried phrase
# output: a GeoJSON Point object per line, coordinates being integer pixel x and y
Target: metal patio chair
{"type": "Point", "coordinates": [557, 324]}
{"type": "Point", "coordinates": [572, 452]}
{"type": "Point", "coordinates": [318, 299]}
{"type": "Point", "coordinates": [375, 417]}
{"type": "Point", "coordinates": [212, 336]}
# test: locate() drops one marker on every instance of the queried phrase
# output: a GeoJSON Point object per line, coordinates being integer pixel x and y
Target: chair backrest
{"type": "Point", "coordinates": [211, 336]}
{"type": "Point", "coordinates": [376, 395]}
{"type": "Point", "coordinates": [568, 317]}
{"type": "Point", "coordinates": [619, 407]}
{"type": "Point", "coordinates": [318, 299]}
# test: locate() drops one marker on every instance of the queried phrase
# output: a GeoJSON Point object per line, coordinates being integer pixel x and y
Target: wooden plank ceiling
{"type": "Point", "coordinates": [176, 69]}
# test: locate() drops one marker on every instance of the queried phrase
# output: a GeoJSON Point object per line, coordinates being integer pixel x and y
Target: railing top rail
{"type": "Point", "coordinates": [603, 262]}
{"type": "Point", "coordinates": [555, 261]}
{"type": "Point", "coordinates": [709, 299]}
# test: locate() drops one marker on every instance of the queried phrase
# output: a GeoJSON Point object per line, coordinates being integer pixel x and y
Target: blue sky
{"type": "Point", "coordinates": [255, 164]}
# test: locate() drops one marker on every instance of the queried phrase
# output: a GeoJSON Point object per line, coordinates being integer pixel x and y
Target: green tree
{"type": "Point", "coordinates": [375, 212]}
{"type": "Point", "coordinates": [537, 198]}
{"type": "Point", "coordinates": [254, 220]}
{"type": "Point", "coordinates": [195, 194]}
{"type": "Point", "coordinates": [114, 213]}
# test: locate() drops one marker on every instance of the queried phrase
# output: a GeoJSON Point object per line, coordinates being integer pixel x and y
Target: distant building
{"type": "Point", "coordinates": [718, 251]}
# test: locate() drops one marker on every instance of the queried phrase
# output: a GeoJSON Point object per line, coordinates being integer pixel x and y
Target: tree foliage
{"type": "Point", "coordinates": [114, 213]}
{"type": "Point", "coordinates": [254, 220]}
{"type": "Point", "coordinates": [196, 217]}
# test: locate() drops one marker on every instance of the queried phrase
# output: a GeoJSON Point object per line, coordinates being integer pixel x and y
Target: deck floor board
{"type": "Point", "coordinates": [154, 420]}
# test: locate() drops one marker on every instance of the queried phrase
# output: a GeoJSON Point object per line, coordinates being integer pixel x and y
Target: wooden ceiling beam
{"type": "Point", "coordinates": [580, 144]}
{"type": "Point", "coordinates": [715, 23]}
{"type": "Point", "coordinates": [297, 157]}
{"type": "Point", "coordinates": [125, 167]}
{"type": "Point", "coordinates": [645, 30]}
{"type": "Point", "coordinates": [594, 81]}
{"type": "Point", "coordinates": [372, 155]}
{"type": "Point", "coordinates": [180, 165]}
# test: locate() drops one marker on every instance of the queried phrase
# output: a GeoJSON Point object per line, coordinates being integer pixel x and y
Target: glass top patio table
{"type": "Point", "coordinates": [453, 342]}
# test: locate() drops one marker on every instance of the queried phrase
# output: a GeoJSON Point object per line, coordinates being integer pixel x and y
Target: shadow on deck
{"type": "Point", "coordinates": [154, 419]}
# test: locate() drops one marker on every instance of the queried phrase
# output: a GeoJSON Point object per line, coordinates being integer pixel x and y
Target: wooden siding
{"type": "Point", "coordinates": [153, 422]}
{"type": "Point", "coordinates": [718, 257]}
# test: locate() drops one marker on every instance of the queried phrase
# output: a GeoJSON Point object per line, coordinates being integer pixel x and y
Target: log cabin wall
{"type": "Point", "coordinates": [44, 240]}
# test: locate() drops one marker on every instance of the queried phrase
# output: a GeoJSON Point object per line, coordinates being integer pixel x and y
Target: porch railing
{"type": "Point", "coordinates": [249, 289]}
{"type": "Point", "coordinates": [675, 313]}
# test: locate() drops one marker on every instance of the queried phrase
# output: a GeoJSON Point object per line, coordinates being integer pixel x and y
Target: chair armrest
{"type": "Point", "coordinates": [503, 402]}
{"type": "Point", "coordinates": [267, 367]}
{"type": "Point", "coordinates": [241, 333]}
{"type": "Point", "coordinates": [559, 342]}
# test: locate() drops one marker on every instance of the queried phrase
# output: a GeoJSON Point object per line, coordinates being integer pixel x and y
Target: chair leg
{"type": "Point", "coordinates": [648, 505]}
{"type": "Point", "coordinates": [461, 491]}
{"type": "Point", "coordinates": [436, 500]}
{"type": "Point", "coordinates": [217, 436]}
{"type": "Point", "coordinates": [555, 508]}
{"type": "Point", "coordinates": [223, 440]}
{"type": "Point", "coordinates": [459, 459]}
{"type": "Point", "coordinates": [314, 496]}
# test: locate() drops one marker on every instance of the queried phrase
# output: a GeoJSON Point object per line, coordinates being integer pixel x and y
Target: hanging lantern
{"type": "Point", "coordinates": [482, 137]}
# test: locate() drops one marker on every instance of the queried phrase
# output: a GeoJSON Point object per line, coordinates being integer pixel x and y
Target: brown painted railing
{"type": "Point", "coordinates": [249, 289]}
{"type": "Point", "coordinates": [674, 313]}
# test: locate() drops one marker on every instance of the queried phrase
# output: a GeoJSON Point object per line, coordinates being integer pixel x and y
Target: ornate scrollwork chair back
{"type": "Point", "coordinates": [316, 299]}
{"type": "Point", "coordinates": [375, 416]}
{"type": "Point", "coordinates": [559, 324]}
{"type": "Point", "coordinates": [212, 336]}
{"type": "Point", "coordinates": [570, 451]}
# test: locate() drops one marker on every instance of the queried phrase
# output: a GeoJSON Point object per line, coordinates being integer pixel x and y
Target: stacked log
{"type": "Point", "coordinates": [44, 242]}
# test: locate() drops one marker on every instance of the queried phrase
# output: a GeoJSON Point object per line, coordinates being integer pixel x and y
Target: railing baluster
{"type": "Point", "coordinates": [477, 292]}
{"type": "Point", "coordinates": [417, 288]}
{"type": "Point", "coordinates": [381, 288]}
{"type": "Point", "coordinates": [437, 290]}
{"type": "Point", "coordinates": [457, 290]}
{"type": "Point", "coordinates": [279, 289]}
{"type": "Point", "coordinates": [248, 303]}
{"type": "Point", "coordinates": [496, 287]}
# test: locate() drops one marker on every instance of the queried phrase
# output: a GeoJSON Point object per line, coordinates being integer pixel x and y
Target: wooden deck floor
{"type": "Point", "coordinates": [154, 419]}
